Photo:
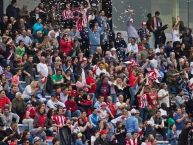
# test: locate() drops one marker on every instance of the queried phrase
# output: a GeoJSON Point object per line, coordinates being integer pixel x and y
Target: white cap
{"type": "Point", "coordinates": [113, 49]}
{"type": "Point", "coordinates": [133, 111]}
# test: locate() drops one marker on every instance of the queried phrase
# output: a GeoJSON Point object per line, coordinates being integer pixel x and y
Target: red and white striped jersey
{"type": "Point", "coordinates": [60, 120]}
{"type": "Point", "coordinates": [132, 141]}
{"type": "Point", "coordinates": [68, 14]}
{"type": "Point", "coordinates": [143, 100]}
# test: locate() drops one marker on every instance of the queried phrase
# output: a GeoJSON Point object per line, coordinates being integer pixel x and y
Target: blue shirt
{"type": "Point", "coordinates": [94, 119]}
{"type": "Point", "coordinates": [132, 124]}
{"type": "Point", "coordinates": [37, 27]}
{"type": "Point", "coordinates": [180, 125]}
{"type": "Point", "coordinates": [172, 137]}
{"type": "Point", "coordinates": [94, 38]}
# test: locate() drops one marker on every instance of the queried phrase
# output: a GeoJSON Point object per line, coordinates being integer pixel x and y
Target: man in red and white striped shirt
{"type": "Point", "coordinates": [68, 13]}
{"type": "Point", "coordinates": [143, 103]}
{"type": "Point", "coordinates": [60, 119]}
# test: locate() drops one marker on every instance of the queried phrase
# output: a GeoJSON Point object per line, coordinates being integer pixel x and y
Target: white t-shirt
{"type": "Point", "coordinates": [99, 71]}
{"type": "Point", "coordinates": [175, 35]}
{"type": "Point", "coordinates": [133, 48]}
{"type": "Point", "coordinates": [54, 105]}
{"type": "Point", "coordinates": [43, 69]}
{"type": "Point", "coordinates": [63, 98]}
{"type": "Point", "coordinates": [166, 100]}
{"type": "Point", "coordinates": [27, 92]}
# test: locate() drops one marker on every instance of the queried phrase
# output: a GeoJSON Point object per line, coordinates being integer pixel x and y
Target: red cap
{"type": "Point", "coordinates": [103, 132]}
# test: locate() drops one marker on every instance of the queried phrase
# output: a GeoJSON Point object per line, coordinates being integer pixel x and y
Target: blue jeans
{"type": "Point", "coordinates": [73, 114]}
{"type": "Point", "coordinates": [114, 98]}
{"type": "Point", "coordinates": [133, 91]}
{"type": "Point", "coordinates": [143, 113]}
{"type": "Point", "coordinates": [93, 98]}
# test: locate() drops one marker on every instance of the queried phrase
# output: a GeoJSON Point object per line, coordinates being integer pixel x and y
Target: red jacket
{"type": "Point", "coordinates": [90, 80]}
{"type": "Point", "coordinates": [40, 120]}
{"type": "Point", "coordinates": [32, 111]}
{"type": "Point", "coordinates": [132, 78]}
{"type": "Point", "coordinates": [112, 108]}
{"type": "Point", "coordinates": [71, 105]}
{"type": "Point", "coordinates": [66, 46]}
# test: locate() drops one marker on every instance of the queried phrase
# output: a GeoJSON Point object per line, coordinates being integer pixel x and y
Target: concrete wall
{"type": "Point", "coordinates": [168, 8]}
{"type": "Point", "coordinates": [30, 4]}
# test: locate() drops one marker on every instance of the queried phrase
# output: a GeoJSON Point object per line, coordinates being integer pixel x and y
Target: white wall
{"type": "Point", "coordinates": [31, 4]}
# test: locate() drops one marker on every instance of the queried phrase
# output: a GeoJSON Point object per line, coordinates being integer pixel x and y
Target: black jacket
{"type": "Point", "coordinates": [183, 137]}
{"type": "Point", "coordinates": [100, 141]}
{"type": "Point", "coordinates": [12, 11]}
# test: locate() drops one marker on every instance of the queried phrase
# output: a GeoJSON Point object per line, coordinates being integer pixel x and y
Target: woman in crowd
{"type": "Point", "coordinates": [100, 92]}
{"type": "Point", "coordinates": [30, 90]}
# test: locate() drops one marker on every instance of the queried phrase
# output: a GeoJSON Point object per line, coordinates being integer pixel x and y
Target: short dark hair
{"type": "Point", "coordinates": [158, 111]}
{"type": "Point", "coordinates": [55, 140]}
{"type": "Point", "coordinates": [13, 2]}
{"type": "Point", "coordinates": [157, 13]}
{"type": "Point", "coordinates": [58, 70]}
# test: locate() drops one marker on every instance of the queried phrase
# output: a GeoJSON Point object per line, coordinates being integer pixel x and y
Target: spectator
{"type": "Point", "coordinates": [53, 103]}
{"type": "Point", "coordinates": [163, 95]}
{"type": "Point", "coordinates": [28, 70]}
{"type": "Point", "coordinates": [143, 31]}
{"type": "Point", "coordinates": [158, 123]}
{"type": "Point", "coordinates": [18, 105]}
{"type": "Point", "coordinates": [103, 88]}
{"type": "Point", "coordinates": [29, 115]}
{"type": "Point", "coordinates": [133, 139]}
{"type": "Point", "coordinates": [37, 141]}
{"type": "Point", "coordinates": [94, 35]}
{"type": "Point", "coordinates": [37, 26]}
{"type": "Point", "coordinates": [172, 136]}
{"type": "Point", "coordinates": [30, 90]}
{"type": "Point", "coordinates": [71, 107]}
{"type": "Point", "coordinates": [16, 78]}
{"type": "Point", "coordinates": [40, 122]}
{"type": "Point", "coordinates": [20, 49]}
{"type": "Point", "coordinates": [12, 132]}
{"type": "Point", "coordinates": [94, 118]}
{"type": "Point", "coordinates": [66, 44]}
{"type": "Point", "coordinates": [26, 138]}
{"type": "Point", "coordinates": [58, 78]}
{"type": "Point", "coordinates": [4, 100]}
{"type": "Point", "coordinates": [180, 121]}
{"type": "Point", "coordinates": [183, 138]}
{"type": "Point", "coordinates": [26, 39]}
{"type": "Point", "coordinates": [132, 123]}
{"type": "Point", "coordinates": [9, 117]}
{"type": "Point", "coordinates": [102, 138]}
{"type": "Point", "coordinates": [12, 11]}
{"type": "Point", "coordinates": [13, 90]}
{"type": "Point", "coordinates": [35, 15]}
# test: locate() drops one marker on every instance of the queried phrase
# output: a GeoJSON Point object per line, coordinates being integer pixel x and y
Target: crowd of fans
{"type": "Point", "coordinates": [63, 72]}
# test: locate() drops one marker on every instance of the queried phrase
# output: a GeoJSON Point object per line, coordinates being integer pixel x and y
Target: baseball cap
{"type": "Point", "coordinates": [113, 49]}
{"type": "Point", "coordinates": [133, 111]}
{"type": "Point", "coordinates": [36, 139]}
{"type": "Point", "coordinates": [102, 132]}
